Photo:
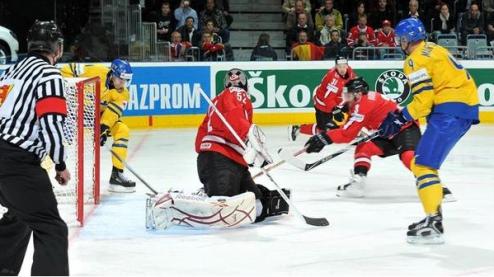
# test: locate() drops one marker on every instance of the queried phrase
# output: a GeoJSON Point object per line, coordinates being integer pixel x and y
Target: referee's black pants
{"type": "Point", "coordinates": [26, 191]}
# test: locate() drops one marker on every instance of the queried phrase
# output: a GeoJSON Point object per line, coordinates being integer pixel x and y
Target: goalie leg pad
{"type": "Point", "coordinates": [200, 211]}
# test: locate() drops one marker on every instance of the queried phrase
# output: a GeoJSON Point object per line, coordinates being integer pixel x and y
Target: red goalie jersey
{"type": "Point", "coordinates": [328, 94]}
{"type": "Point", "coordinates": [368, 112]}
{"type": "Point", "coordinates": [235, 105]}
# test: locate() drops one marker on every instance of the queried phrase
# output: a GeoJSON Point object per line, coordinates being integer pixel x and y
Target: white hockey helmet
{"type": "Point", "coordinates": [235, 78]}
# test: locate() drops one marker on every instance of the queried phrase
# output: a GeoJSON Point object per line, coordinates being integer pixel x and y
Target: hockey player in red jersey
{"type": "Point", "coordinates": [229, 198]}
{"type": "Point", "coordinates": [327, 101]}
{"type": "Point", "coordinates": [222, 163]}
{"type": "Point", "coordinates": [367, 109]}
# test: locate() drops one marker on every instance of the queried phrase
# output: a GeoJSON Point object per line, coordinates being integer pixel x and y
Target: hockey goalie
{"type": "Point", "coordinates": [229, 197]}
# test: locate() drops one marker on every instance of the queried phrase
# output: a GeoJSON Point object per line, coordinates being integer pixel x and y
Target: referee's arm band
{"type": "Point", "coordinates": [61, 166]}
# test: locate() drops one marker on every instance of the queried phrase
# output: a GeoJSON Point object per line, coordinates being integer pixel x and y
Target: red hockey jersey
{"type": "Point", "coordinates": [354, 33]}
{"type": "Point", "coordinates": [235, 105]}
{"type": "Point", "coordinates": [387, 40]}
{"type": "Point", "coordinates": [369, 112]}
{"type": "Point", "coordinates": [328, 94]}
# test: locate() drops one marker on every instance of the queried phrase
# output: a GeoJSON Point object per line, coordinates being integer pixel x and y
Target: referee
{"type": "Point", "coordinates": [32, 114]}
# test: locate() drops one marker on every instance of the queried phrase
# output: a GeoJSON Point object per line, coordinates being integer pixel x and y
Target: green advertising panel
{"type": "Point", "coordinates": [293, 88]}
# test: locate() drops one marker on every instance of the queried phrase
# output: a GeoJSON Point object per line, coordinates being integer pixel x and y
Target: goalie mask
{"type": "Point", "coordinates": [236, 78]}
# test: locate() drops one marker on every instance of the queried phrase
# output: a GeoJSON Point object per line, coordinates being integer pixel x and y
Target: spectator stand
{"type": "Point", "coordinates": [250, 19]}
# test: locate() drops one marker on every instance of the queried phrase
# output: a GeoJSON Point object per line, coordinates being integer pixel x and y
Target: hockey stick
{"type": "Point", "coordinates": [308, 166]}
{"type": "Point", "coordinates": [309, 220]}
{"type": "Point", "coordinates": [273, 166]}
{"type": "Point", "coordinates": [132, 170]}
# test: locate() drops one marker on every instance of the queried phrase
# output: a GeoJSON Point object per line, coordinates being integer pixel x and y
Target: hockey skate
{"type": "Point", "coordinates": [427, 231]}
{"type": "Point", "coordinates": [448, 195]}
{"type": "Point", "coordinates": [293, 131]}
{"type": "Point", "coordinates": [353, 189]}
{"type": "Point", "coordinates": [120, 183]}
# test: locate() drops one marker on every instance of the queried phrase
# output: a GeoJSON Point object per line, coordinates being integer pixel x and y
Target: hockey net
{"type": "Point", "coordinates": [81, 131]}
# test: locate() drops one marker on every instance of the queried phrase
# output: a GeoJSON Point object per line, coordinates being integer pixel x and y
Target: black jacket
{"type": "Point", "coordinates": [263, 52]}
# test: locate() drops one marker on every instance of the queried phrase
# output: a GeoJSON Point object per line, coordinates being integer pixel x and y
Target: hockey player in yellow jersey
{"type": "Point", "coordinates": [114, 95]}
{"type": "Point", "coordinates": [446, 95]}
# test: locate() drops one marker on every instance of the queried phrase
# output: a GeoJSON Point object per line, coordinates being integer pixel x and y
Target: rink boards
{"type": "Point", "coordinates": [167, 94]}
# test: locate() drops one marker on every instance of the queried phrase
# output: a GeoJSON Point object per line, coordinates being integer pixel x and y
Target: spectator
{"type": "Point", "coordinates": [382, 12]}
{"type": "Point", "coordinates": [292, 36]}
{"type": "Point", "coordinates": [211, 13]}
{"type": "Point", "coordinates": [189, 33]}
{"type": "Point", "coordinates": [488, 8]}
{"type": "Point", "coordinates": [334, 47]}
{"type": "Point", "coordinates": [364, 54]}
{"type": "Point", "coordinates": [305, 50]}
{"type": "Point", "coordinates": [472, 22]}
{"type": "Point", "coordinates": [360, 10]}
{"type": "Point", "coordinates": [413, 11]}
{"type": "Point", "coordinates": [178, 47]}
{"type": "Point", "coordinates": [329, 26]}
{"type": "Point", "coordinates": [209, 49]}
{"type": "Point", "coordinates": [490, 29]}
{"type": "Point", "coordinates": [328, 10]}
{"type": "Point", "coordinates": [165, 22]}
{"type": "Point", "coordinates": [216, 38]}
{"type": "Point", "coordinates": [263, 50]}
{"type": "Point", "coordinates": [292, 18]}
{"type": "Point", "coordinates": [289, 6]}
{"type": "Point", "coordinates": [355, 33]}
{"type": "Point", "coordinates": [224, 7]}
{"type": "Point", "coordinates": [444, 22]}
{"type": "Point", "coordinates": [184, 11]}
{"type": "Point", "coordinates": [386, 35]}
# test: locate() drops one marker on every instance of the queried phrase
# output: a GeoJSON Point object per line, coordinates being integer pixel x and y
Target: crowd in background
{"type": "Point", "coordinates": [322, 29]}
{"type": "Point", "coordinates": [188, 24]}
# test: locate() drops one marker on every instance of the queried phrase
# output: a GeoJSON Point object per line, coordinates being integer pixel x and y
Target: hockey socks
{"type": "Point", "coordinates": [309, 129]}
{"type": "Point", "coordinates": [429, 187]}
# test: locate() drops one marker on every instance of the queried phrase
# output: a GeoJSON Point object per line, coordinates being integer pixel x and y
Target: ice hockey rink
{"type": "Point", "coordinates": [365, 236]}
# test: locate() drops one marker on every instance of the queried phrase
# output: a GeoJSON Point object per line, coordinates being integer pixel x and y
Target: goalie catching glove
{"type": "Point", "coordinates": [256, 153]}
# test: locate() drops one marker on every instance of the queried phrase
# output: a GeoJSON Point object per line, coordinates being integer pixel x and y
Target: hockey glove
{"type": "Point", "coordinates": [317, 142]}
{"type": "Point", "coordinates": [104, 132]}
{"type": "Point", "coordinates": [256, 153]}
{"type": "Point", "coordinates": [339, 115]}
{"type": "Point", "coordinates": [392, 124]}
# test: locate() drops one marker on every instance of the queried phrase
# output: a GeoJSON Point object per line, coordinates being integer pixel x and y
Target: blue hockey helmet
{"type": "Point", "coordinates": [121, 69]}
{"type": "Point", "coordinates": [410, 29]}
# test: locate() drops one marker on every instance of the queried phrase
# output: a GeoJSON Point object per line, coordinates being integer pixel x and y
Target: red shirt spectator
{"type": "Point", "coordinates": [386, 36]}
{"type": "Point", "coordinates": [362, 27]}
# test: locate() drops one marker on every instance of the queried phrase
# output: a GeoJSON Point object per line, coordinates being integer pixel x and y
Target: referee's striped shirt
{"type": "Point", "coordinates": [33, 108]}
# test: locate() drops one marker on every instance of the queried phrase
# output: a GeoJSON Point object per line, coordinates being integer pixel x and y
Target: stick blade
{"type": "Point", "coordinates": [290, 158]}
{"type": "Point", "coordinates": [316, 221]}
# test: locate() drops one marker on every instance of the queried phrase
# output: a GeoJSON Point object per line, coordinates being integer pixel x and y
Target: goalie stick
{"type": "Point", "coordinates": [291, 159]}
{"type": "Point", "coordinates": [309, 220]}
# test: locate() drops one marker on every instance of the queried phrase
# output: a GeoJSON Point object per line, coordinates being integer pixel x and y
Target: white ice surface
{"type": "Point", "coordinates": [366, 236]}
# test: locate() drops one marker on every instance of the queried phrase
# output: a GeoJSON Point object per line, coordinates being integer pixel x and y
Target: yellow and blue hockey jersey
{"type": "Point", "coordinates": [112, 100]}
{"type": "Point", "coordinates": [439, 85]}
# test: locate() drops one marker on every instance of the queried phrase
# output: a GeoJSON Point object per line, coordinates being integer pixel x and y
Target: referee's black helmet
{"type": "Point", "coordinates": [44, 36]}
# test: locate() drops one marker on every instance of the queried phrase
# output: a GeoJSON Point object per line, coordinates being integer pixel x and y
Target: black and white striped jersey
{"type": "Point", "coordinates": [33, 108]}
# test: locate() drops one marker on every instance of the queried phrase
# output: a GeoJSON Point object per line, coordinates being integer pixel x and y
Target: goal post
{"type": "Point", "coordinates": [82, 132]}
